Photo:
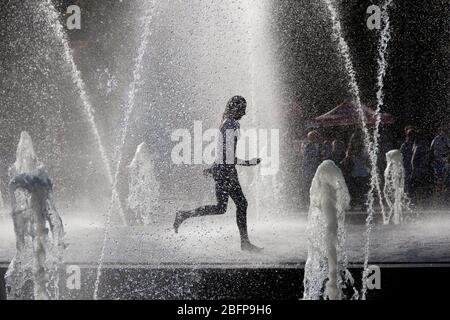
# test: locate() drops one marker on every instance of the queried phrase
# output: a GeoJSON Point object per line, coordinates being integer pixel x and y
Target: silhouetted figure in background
{"type": "Point", "coordinates": [312, 157]}
{"type": "Point", "coordinates": [225, 175]}
{"type": "Point", "coordinates": [355, 167]}
{"type": "Point", "coordinates": [446, 180]}
{"type": "Point", "coordinates": [385, 145]}
{"type": "Point", "coordinates": [407, 151]}
{"type": "Point", "coordinates": [327, 150]}
{"type": "Point", "coordinates": [421, 171]}
{"type": "Point", "coordinates": [337, 151]}
{"type": "Point", "coordinates": [440, 148]}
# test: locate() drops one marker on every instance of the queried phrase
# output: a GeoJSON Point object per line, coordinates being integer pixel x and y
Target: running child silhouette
{"type": "Point", "coordinates": [225, 175]}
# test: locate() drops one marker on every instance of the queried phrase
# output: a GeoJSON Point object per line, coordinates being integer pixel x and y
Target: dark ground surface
{"type": "Point", "coordinates": [397, 282]}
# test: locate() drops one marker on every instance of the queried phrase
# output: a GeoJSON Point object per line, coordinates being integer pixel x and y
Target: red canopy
{"type": "Point", "coordinates": [346, 114]}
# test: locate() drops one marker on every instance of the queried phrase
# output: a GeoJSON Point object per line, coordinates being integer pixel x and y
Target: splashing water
{"type": "Point", "coordinates": [26, 161]}
{"type": "Point", "coordinates": [371, 143]}
{"type": "Point", "coordinates": [327, 259]}
{"type": "Point", "coordinates": [2, 203]}
{"type": "Point", "coordinates": [252, 17]}
{"type": "Point", "coordinates": [53, 19]}
{"type": "Point", "coordinates": [382, 66]}
{"type": "Point", "coordinates": [394, 188]}
{"type": "Point", "coordinates": [142, 202]}
{"type": "Point", "coordinates": [354, 89]}
{"type": "Point", "coordinates": [130, 106]}
{"type": "Point", "coordinates": [264, 94]}
{"type": "Point", "coordinates": [34, 271]}
{"type": "Point", "coordinates": [385, 36]}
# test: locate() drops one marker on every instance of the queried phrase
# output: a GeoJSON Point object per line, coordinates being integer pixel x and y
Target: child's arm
{"type": "Point", "coordinates": [248, 163]}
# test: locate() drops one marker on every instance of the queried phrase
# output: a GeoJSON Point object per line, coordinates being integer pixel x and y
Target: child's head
{"type": "Point", "coordinates": [235, 108]}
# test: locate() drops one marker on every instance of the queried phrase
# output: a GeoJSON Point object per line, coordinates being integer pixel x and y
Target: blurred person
{"type": "Point", "coordinates": [385, 145]}
{"type": "Point", "coordinates": [312, 158]}
{"type": "Point", "coordinates": [440, 147]}
{"type": "Point", "coordinates": [421, 172]}
{"type": "Point", "coordinates": [337, 151]}
{"type": "Point", "coordinates": [446, 180]}
{"type": "Point", "coordinates": [407, 151]}
{"type": "Point", "coordinates": [356, 170]}
{"type": "Point", "coordinates": [327, 149]}
{"type": "Point", "coordinates": [409, 127]}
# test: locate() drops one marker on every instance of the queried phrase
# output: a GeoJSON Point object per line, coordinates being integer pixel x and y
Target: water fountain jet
{"type": "Point", "coordinates": [142, 201]}
{"type": "Point", "coordinates": [2, 203]}
{"type": "Point", "coordinates": [370, 141]}
{"type": "Point", "coordinates": [34, 270]}
{"type": "Point", "coordinates": [48, 8]}
{"type": "Point", "coordinates": [375, 183]}
{"type": "Point", "coordinates": [394, 188]}
{"type": "Point", "coordinates": [130, 106]}
{"type": "Point", "coordinates": [327, 259]}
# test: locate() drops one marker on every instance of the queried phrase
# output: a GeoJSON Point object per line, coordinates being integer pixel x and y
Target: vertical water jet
{"type": "Point", "coordinates": [34, 271]}
{"type": "Point", "coordinates": [327, 259]}
{"type": "Point", "coordinates": [129, 108]}
{"type": "Point", "coordinates": [370, 141]}
{"type": "Point", "coordinates": [48, 8]}
{"type": "Point", "coordinates": [143, 198]}
{"type": "Point", "coordinates": [394, 188]}
{"type": "Point", "coordinates": [2, 203]}
{"type": "Point", "coordinates": [385, 37]}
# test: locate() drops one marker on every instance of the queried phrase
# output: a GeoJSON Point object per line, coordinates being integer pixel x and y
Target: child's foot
{"type": "Point", "coordinates": [179, 218]}
{"type": "Point", "coordinates": [247, 246]}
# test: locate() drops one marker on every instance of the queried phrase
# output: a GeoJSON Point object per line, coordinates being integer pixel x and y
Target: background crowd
{"type": "Point", "coordinates": [426, 164]}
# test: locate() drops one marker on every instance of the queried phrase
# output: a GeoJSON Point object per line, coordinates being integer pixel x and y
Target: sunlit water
{"type": "Point", "coordinates": [370, 140]}
{"type": "Point", "coordinates": [129, 108]}
{"type": "Point", "coordinates": [385, 36]}
{"type": "Point", "coordinates": [38, 229]}
{"type": "Point", "coordinates": [52, 16]}
{"type": "Point", "coordinates": [326, 273]}
{"type": "Point", "coordinates": [215, 241]}
{"type": "Point", "coordinates": [394, 189]}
